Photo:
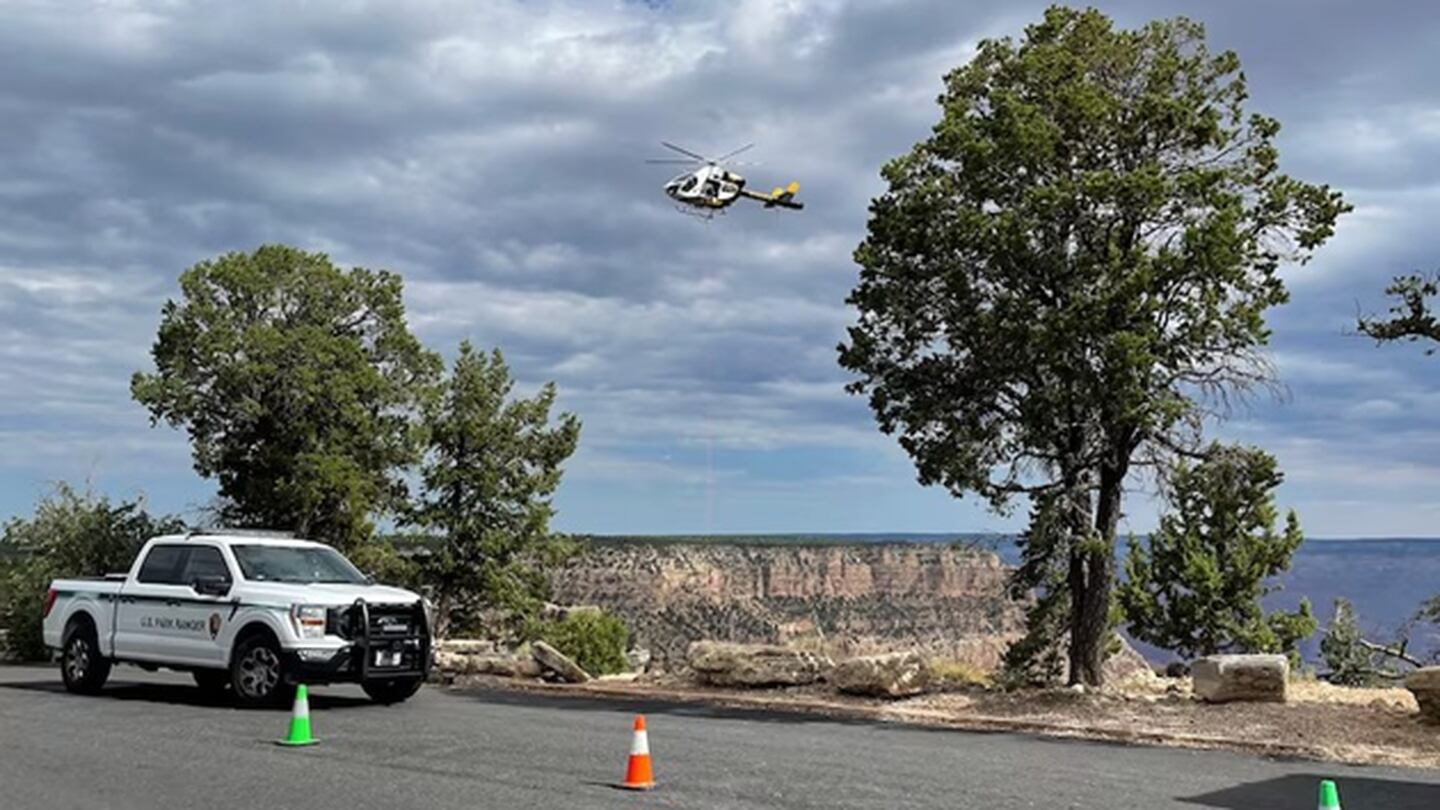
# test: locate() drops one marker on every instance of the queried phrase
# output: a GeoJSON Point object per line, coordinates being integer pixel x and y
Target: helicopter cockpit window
{"type": "Point", "coordinates": [688, 186]}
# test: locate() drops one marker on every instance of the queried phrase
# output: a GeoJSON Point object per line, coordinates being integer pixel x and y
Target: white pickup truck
{"type": "Point", "coordinates": [248, 613]}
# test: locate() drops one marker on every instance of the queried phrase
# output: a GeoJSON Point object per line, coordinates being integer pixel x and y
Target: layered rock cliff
{"type": "Point", "coordinates": [844, 599]}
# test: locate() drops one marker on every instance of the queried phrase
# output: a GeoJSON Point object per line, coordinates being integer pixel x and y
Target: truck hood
{"type": "Point", "coordinates": [333, 594]}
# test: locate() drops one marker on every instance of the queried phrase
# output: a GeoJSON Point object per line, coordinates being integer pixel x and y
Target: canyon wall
{"type": "Point", "coordinates": [843, 599]}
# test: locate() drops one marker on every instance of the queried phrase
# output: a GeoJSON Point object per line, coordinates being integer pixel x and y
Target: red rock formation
{"type": "Point", "coordinates": [846, 598]}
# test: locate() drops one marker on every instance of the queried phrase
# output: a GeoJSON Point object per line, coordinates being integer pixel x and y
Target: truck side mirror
{"type": "Point", "coordinates": [211, 586]}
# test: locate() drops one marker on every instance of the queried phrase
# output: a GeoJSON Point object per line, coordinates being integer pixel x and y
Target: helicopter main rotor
{"type": "Point", "coordinates": [695, 158]}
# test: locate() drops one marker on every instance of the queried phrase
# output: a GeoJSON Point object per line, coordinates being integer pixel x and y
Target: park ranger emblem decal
{"type": "Point", "coordinates": [214, 625]}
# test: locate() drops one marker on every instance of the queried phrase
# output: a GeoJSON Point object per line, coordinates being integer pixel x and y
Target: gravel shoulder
{"type": "Point", "coordinates": [1322, 723]}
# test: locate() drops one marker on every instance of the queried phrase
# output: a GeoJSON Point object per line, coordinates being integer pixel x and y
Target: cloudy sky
{"type": "Point", "coordinates": [492, 153]}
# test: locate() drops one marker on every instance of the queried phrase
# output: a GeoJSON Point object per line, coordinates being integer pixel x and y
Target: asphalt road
{"type": "Point", "coordinates": [155, 741]}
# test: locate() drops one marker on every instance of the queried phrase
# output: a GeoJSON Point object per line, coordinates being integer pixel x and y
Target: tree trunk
{"type": "Point", "coordinates": [1092, 578]}
{"type": "Point", "coordinates": [442, 615]}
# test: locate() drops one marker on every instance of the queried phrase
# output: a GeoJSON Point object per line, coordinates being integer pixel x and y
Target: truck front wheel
{"type": "Point", "coordinates": [256, 674]}
{"type": "Point", "coordinates": [81, 665]}
{"type": "Point", "coordinates": [396, 690]}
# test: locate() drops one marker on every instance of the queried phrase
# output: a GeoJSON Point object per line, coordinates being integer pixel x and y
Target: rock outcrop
{"type": "Point", "coordinates": [504, 664]}
{"type": "Point", "coordinates": [1128, 666]}
{"type": "Point", "coordinates": [1424, 684]}
{"type": "Point", "coordinates": [725, 664]}
{"type": "Point", "coordinates": [559, 663]}
{"type": "Point", "coordinates": [465, 646]}
{"type": "Point", "coordinates": [1253, 678]}
{"type": "Point", "coordinates": [847, 599]}
{"type": "Point", "coordinates": [892, 675]}
{"type": "Point", "coordinates": [638, 660]}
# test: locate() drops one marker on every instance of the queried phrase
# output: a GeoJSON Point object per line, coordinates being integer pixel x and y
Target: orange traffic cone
{"type": "Point", "coordinates": [638, 775]}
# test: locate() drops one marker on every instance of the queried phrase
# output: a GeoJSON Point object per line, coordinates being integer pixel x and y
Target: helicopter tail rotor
{"type": "Point", "coordinates": [784, 197]}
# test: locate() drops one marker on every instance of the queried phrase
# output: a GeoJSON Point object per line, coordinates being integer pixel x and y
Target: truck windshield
{"type": "Point", "coordinates": [296, 564]}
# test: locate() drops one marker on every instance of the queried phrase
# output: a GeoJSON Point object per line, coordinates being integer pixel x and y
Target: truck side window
{"type": "Point", "coordinates": [205, 561]}
{"type": "Point", "coordinates": [162, 565]}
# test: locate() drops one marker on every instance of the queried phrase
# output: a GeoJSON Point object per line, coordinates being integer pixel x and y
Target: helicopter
{"type": "Point", "coordinates": [712, 186]}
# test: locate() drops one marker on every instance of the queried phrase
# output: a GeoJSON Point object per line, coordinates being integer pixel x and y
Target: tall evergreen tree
{"type": "Point", "coordinates": [298, 383]}
{"type": "Point", "coordinates": [493, 465]}
{"type": "Point", "coordinates": [1080, 254]}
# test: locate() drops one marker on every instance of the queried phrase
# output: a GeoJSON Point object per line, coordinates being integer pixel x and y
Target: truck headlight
{"type": "Point", "coordinates": [309, 620]}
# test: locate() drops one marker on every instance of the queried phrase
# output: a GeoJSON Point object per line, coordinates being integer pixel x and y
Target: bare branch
{"type": "Point", "coordinates": [1390, 651]}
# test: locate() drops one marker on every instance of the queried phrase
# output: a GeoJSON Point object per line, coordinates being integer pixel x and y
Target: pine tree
{"type": "Point", "coordinates": [1349, 661]}
{"type": "Point", "coordinates": [1195, 587]}
{"type": "Point", "coordinates": [493, 465]}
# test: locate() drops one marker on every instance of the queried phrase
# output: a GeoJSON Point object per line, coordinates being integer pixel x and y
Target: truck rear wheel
{"type": "Point", "coordinates": [82, 667]}
{"type": "Point", "coordinates": [256, 673]}
{"type": "Point", "coordinates": [397, 690]}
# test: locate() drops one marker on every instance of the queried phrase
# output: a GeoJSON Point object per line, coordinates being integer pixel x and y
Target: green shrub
{"type": "Point", "coordinates": [958, 673]}
{"type": "Point", "coordinates": [22, 597]}
{"type": "Point", "coordinates": [72, 533]}
{"type": "Point", "coordinates": [594, 639]}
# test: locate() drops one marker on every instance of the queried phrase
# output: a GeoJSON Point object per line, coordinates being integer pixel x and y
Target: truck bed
{"type": "Point", "coordinates": [89, 583]}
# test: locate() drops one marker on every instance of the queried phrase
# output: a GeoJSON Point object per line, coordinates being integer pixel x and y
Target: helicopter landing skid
{"type": "Point", "coordinates": [704, 216]}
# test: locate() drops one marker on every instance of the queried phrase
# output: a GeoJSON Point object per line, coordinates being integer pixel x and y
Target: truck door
{"type": "Point", "coordinates": [203, 615]}
{"type": "Point", "coordinates": [145, 626]}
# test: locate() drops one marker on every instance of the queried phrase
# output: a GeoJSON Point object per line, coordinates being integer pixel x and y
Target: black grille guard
{"type": "Point", "coordinates": [364, 643]}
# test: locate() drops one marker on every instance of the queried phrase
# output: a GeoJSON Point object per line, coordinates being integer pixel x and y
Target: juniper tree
{"type": "Point", "coordinates": [1077, 259]}
{"type": "Point", "coordinates": [298, 383]}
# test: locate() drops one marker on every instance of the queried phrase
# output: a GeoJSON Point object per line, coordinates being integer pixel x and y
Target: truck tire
{"type": "Point", "coordinates": [257, 674]}
{"type": "Point", "coordinates": [82, 667]}
{"type": "Point", "coordinates": [212, 681]}
{"type": "Point", "coordinates": [397, 690]}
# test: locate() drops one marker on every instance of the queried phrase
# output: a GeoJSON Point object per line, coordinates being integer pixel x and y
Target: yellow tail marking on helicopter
{"type": "Point", "coordinates": [793, 188]}
{"type": "Point", "coordinates": [777, 192]}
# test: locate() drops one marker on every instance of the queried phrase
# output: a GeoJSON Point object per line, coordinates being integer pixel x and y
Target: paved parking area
{"type": "Point", "coordinates": [153, 740]}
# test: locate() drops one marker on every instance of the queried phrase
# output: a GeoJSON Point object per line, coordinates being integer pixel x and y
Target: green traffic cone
{"type": "Point", "coordinates": [1329, 796]}
{"type": "Point", "coordinates": [300, 720]}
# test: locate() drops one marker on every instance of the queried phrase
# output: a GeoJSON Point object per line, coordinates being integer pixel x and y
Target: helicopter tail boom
{"type": "Point", "coordinates": [782, 196]}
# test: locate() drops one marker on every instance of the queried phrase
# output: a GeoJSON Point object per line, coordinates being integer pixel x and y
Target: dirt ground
{"type": "Point", "coordinates": [1320, 721]}
{"type": "Point", "coordinates": [1370, 727]}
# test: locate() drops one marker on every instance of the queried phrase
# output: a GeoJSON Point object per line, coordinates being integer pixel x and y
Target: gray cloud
{"type": "Point", "coordinates": [492, 154]}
